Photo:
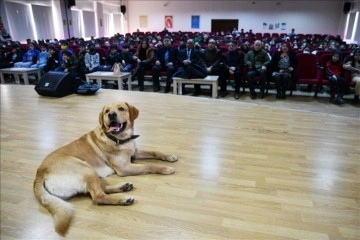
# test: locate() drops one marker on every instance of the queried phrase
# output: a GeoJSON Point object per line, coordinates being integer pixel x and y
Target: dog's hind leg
{"type": "Point", "coordinates": [98, 195]}
{"type": "Point", "coordinates": [117, 188]}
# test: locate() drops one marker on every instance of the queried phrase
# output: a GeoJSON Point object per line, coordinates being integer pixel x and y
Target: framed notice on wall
{"type": "Point", "coordinates": [169, 21]}
{"type": "Point", "coordinates": [195, 21]}
{"type": "Point", "coordinates": [143, 21]}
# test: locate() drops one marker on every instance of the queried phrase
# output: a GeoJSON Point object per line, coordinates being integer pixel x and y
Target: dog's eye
{"type": "Point", "coordinates": [121, 109]}
{"type": "Point", "coordinates": [107, 111]}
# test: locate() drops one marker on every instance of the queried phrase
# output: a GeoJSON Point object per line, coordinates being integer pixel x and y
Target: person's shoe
{"type": "Point", "coordinates": [167, 89]}
{"type": "Point", "coordinates": [339, 100]}
{"type": "Point", "coordinates": [356, 100]}
{"type": "Point", "coordinates": [237, 95]}
{"type": "Point", "coordinates": [332, 99]}
{"type": "Point", "coordinates": [261, 95]}
{"type": "Point", "coordinates": [253, 95]}
{"type": "Point", "coordinates": [156, 89]}
{"type": "Point", "coordinates": [223, 94]}
{"type": "Point", "coordinates": [278, 96]}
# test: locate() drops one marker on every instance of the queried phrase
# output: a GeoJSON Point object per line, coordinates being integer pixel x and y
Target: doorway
{"type": "Point", "coordinates": [226, 25]}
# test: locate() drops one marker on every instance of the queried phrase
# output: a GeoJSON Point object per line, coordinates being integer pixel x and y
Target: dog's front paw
{"type": "Point", "coordinates": [127, 201]}
{"type": "Point", "coordinates": [167, 170]}
{"type": "Point", "coordinates": [127, 187]}
{"type": "Point", "coordinates": [171, 158]}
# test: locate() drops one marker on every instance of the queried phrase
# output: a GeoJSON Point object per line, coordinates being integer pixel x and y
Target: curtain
{"type": "Point", "coordinates": [76, 24]}
{"type": "Point", "coordinates": [117, 23]}
{"type": "Point", "coordinates": [19, 21]}
{"type": "Point", "coordinates": [43, 21]}
{"type": "Point", "coordinates": [89, 23]}
{"type": "Point", "coordinates": [106, 25]}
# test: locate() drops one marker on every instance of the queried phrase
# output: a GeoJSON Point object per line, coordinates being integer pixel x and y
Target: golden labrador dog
{"type": "Point", "coordinates": [79, 166]}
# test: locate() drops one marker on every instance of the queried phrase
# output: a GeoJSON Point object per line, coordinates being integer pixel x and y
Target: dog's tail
{"type": "Point", "coordinates": [61, 210]}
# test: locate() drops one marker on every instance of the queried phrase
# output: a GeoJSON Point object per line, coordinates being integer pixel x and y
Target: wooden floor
{"type": "Point", "coordinates": [245, 171]}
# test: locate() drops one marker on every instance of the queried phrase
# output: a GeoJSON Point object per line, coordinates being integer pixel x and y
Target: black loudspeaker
{"type": "Point", "coordinates": [123, 9]}
{"type": "Point", "coordinates": [55, 84]}
{"type": "Point", "coordinates": [347, 7]}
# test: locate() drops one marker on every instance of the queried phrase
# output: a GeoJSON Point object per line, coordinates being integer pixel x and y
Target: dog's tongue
{"type": "Point", "coordinates": [114, 127]}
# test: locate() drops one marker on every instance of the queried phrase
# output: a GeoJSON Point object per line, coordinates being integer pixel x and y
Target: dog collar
{"type": "Point", "coordinates": [119, 141]}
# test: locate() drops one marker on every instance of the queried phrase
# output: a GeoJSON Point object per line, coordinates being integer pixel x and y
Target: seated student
{"type": "Point", "coordinates": [53, 60]}
{"type": "Point", "coordinates": [11, 57]}
{"type": "Point", "coordinates": [233, 64]}
{"type": "Point", "coordinates": [92, 59]}
{"type": "Point", "coordinates": [42, 57]}
{"type": "Point", "coordinates": [70, 65]}
{"type": "Point", "coordinates": [29, 57]}
{"type": "Point", "coordinates": [334, 72]}
{"type": "Point", "coordinates": [353, 65]}
{"type": "Point", "coordinates": [64, 47]}
{"type": "Point", "coordinates": [112, 57]}
{"type": "Point", "coordinates": [165, 60]}
{"type": "Point", "coordinates": [81, 59]}
{"type": "Point", "coordinates": [127, 58]}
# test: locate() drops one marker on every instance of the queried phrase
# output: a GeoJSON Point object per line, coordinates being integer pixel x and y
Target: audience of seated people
{"type": "Point", "coordinates": [12, 52]}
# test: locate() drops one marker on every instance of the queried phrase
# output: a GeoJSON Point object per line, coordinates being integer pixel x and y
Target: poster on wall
{"type": "Point", "coordinates": [195, 21]}
{"type": "Point", "coordinates": [283, 26]}
{"type": "Point", "coordinates": [169, 21]}
{"type": "Point", "coordinates": [143, 22]}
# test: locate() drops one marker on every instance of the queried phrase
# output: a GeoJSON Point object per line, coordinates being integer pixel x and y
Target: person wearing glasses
{"type": "Point", "coordinates": [165, 60]}
{"type": "Point", "coordinates": [257, 60]}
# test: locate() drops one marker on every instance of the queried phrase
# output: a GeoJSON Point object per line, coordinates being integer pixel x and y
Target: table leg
{"type": "Point", "coordinates": [129, 82]}
{"type": "Point", "coordinates": [214, 90]}
{"type": "Point", "coordinates": [26, 78]}
{"type": "Point", "coordinates": [2, 77]}
{"type": "Point", "coordinates": [120, 83]}
{"type": "Point", "coordinates": [17, 78]}
{"type": "Point", "coordinates": [175, 85]}
{"type": "Point", "coordinates": [39, 74]}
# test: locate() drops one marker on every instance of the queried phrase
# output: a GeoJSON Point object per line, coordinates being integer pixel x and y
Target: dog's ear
{"type": "Point", "coordinates": [101, 119]}
{"type": "Point", "coordinates": [134, 112]}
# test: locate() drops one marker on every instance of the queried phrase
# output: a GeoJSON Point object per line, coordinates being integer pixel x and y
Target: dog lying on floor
{"type": "Point", "coordinates": [79, 166]}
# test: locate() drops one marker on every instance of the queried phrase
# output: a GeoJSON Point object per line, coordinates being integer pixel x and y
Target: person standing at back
{"type": "Point", "coordinates": [257, 60]}
{"type": "Point", "coordinates": [165, 60]}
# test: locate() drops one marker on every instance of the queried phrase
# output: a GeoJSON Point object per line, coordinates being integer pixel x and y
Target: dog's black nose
{"type": "Point", "coordinates": [112, 116]}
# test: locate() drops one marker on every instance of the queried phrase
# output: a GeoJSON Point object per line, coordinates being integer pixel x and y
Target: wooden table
{"type": "Point", "coordinates": [20, 71]}
{"type": "Point", "coordinates": [213, 80]}
{"type": "Point", "coordinates": [119, 77]}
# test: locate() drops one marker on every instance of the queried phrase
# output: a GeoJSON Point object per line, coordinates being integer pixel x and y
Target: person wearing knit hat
{"type": "Point", "coordinates": [334, 73]}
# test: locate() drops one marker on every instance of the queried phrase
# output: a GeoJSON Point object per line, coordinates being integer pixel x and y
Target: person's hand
{"type": "Point", "coordinates": [290, 69]}
{"type": "Point", "coordinates": [66, 70]}
{"type": "Point", "coordinates": [157, 62]}
{"type": "Point", "coordinates": [263, 68]}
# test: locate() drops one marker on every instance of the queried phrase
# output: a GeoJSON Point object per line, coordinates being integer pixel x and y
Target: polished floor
{"type": "Point", "coordinates": [263, 169]}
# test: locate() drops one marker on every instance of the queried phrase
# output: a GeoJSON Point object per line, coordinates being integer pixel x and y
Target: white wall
{"type": "Point", "coordinates": [325, 17]}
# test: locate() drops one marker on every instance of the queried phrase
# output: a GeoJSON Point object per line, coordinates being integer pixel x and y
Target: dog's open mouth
{"type": "Point", "coordinates": [116, 127]}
